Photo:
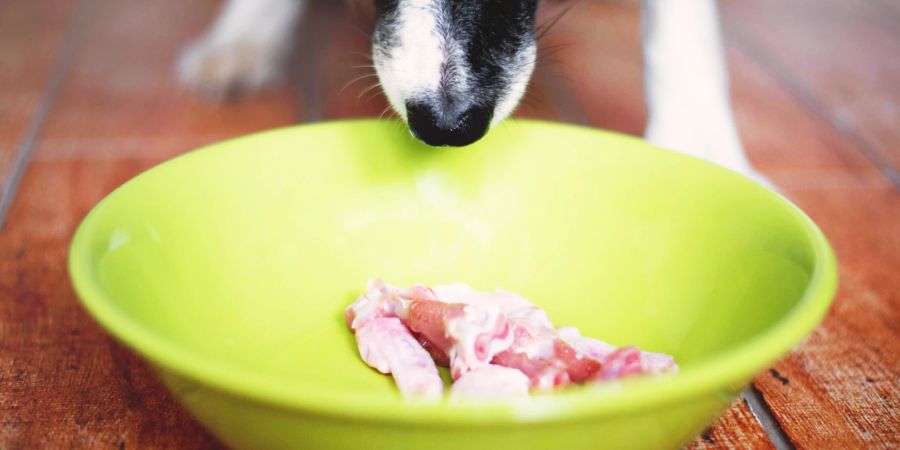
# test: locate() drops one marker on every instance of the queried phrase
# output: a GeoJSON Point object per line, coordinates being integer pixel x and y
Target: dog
{"type": "Point", "coordinates": [453, 69]}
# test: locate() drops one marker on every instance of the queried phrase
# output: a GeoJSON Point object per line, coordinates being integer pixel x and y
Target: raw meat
{"type": "Point", "coordinates": [494, 343]}
{"type": "Point", "coordinates": [388, 347]}
{"type": "Point", "coordinates": [490, 381]}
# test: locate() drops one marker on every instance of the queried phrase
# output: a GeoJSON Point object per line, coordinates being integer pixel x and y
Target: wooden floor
{"type": "Point", "coordinates": [88, 101]}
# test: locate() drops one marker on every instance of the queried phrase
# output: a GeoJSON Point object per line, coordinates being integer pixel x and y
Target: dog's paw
{"type": "Point", "coordinates": [219, 71]}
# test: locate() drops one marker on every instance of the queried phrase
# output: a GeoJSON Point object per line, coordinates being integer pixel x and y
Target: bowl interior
{"type": "Point", "coordinates": [246, 253]}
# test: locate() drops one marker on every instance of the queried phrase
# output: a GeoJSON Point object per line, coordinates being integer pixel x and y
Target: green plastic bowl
{"type": "Point", "coordinates": [228, 268]}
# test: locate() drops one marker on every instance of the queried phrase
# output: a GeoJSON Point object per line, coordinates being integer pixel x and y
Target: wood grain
{"type": "Point", "coordinates": [31, 36]}
{"type": "Point", "coordinates": [821, 393]}
{"type": "Point", "coordinates": [833, 55]}
{"type": "Point", "coordinates": [121, 98]}
{"type": "Point", "coordinates": [840, 389]}
{"type": "Point", "coordinates": [736, 429]}
{"type": "Point", "coordinates": [65, 384]}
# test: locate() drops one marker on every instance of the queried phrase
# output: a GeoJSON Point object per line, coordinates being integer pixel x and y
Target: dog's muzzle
{"type": "Point", "coordinates": [445, 127]}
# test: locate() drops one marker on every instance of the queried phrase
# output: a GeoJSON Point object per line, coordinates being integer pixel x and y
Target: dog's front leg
{"type": "Point", "coordinates": [243, 50]}
{"type": "Point", "coordinates": [686, 83]}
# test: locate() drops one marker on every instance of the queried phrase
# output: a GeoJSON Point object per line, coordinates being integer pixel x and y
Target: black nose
{"type": "Point", "coordinates": [439, 127]}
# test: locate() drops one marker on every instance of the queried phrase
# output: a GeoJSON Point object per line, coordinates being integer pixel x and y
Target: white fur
{"type": "Point", "coordinates": [244, 49]}
{"type": "Point", "coordinates": [417, 67]}
{"type": "Point", "coordinates": [687, 83]}
{"type": "Point", "coordinates": [508, 102]}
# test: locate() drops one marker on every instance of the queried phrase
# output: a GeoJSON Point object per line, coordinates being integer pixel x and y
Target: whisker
{"type": "Point", "coordinates": [542, 29]}
{"type": "Point", "coordinates": [372, 96]}
{"type": "Point", "coordinates": [400, 126]}
{"type": "Point", "coordinates": [367, 90]}
{"type": "Point", "coordinates": [359, 78]}
{"type": "Point", "coordinates": [383, 112]}
{"type": "Point", "coordinates": [358, 28]}
{"type": "Point", "coordinates": [554, 49]}
{"type": "Point", "coordinates": [560, 70]}
{"type": "Point", "coordinates": [525, 64]}
{"type": "Point", "coordinates": [534, 98]}
{"type": "Point", "coordinates": [564, 76]}
{"type": "Point", "coordinates": [365, 56]}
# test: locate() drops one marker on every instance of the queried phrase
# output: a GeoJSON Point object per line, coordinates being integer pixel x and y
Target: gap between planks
{"type": "Point", "coordinates": [70, 42]}
{"type": "Point", "coordinates": [766, 418]}
{"type": "Point", "coordinates": [815, 107]}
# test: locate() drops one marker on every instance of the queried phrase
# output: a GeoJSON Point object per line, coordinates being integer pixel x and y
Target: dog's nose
{"type": "Point", "coordinates": [441, 127]}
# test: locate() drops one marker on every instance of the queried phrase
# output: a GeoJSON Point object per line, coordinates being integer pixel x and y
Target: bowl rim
{"type": "Point", "coordinates": [724, 373]}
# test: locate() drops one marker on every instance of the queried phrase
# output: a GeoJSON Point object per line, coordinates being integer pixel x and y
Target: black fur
{"type": "Point", "coordinates": [385, 17]}
{"type": "Point", "coordinates": [495, 31]}
{"type": "Point", "coordinates": [493, 34]}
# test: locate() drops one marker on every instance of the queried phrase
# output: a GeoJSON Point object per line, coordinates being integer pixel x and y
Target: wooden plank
{"type": "Point", "coordinates": [840, 388]}
{"type": "Point", "coordinates": [122, 99]}
{"type": "Point", "coordinates": [820, 167]}
{"type": "Point", "coordinates": [888, 8]}
{"type": "Point", "coordinates": [834, 55]}
{"type": "Point", "coordinates": [31, 43]}
{"type": "Point", "coordinates": [736, 429]}
{"type": "Point", "coordinates": [786, 140]}
{"type": "Point", "coordinates": [822, 170]}
{"type": "Point", "coordinates": [601, 62]}
{"type": "Point", "coordinates": [63, 382]}
{"type": "Point", "coordinates": [30, 37]}
{"type": "Point", "coordinates": [820, 393]}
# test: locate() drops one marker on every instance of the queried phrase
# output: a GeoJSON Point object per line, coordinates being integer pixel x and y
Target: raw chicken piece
{"type": "Point", "coordinates": [537, 350]}
{"type": "Point", "coordinates": [380, 300]}
{"type": "Point", "coordinates": [463, 336]}
{"type": "Point", "coordinates": [490, 381]}
{"type": "Point", "coordinates": [541, 354]}
{"type": "Point", "coordinates": [462, 293]}
{"type": "Point", "coordinates": [618, 361]}
{"type": "Point", "coordinates": [562, 366]}
{"type": "Point", "coordinates": [469, 335]}
{"type": "Point", "coordinates": [388, 347]}
{"type": "Point", "coordinates": [487, 339]}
